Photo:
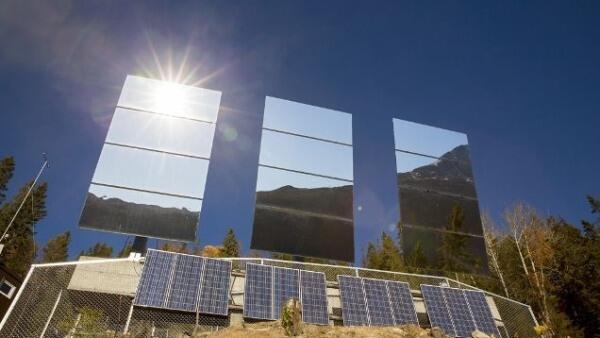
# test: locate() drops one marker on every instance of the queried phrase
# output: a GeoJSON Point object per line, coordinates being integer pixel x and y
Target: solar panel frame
{"type": "Point", "coordinates": [259, 278]}
{"type": "Point", "coordinates": [185, 283]}
{"type": "Point", "coordinates": [437, 308]}
{"type": "Point", "coordinates": [213, 294]}
{"type": "Point", "coordinates": [463, 321]}
{"type": "Point", "coordinates": [482, 314]}
{"type": "Point", "coordinates": [353, 300]}
{"type": "Point", "coordinates": [286, 285]}
{"type": "Point", "coordinates": [154, 283]}
{"type": "Point", "coordinates": [378, 302]}
{"type": "Point", "coordinates": [313, 291]}
{"type": "Point", "coordinates": [402, 302]}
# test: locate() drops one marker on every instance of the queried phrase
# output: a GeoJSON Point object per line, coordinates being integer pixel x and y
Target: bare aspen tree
{"type": "Point", "coordinates": [540, 253]}
{"type": "Point", "coordinates": [489, 236]}
{"type": "Point", "coordinates": [517, 220]}
{"type": "Point", "coordinates": [531, 237]}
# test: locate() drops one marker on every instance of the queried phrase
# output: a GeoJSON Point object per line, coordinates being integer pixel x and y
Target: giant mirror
{"type": "Point", "coordinates": [304, 188]}
{"type": "Point", "coordinates": [150, 176]}
{"type": "Point", "coordinates": [440, 223]}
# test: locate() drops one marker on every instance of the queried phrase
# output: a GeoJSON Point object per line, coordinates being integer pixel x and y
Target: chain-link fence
{"type": "Point", "coordinates": [93, 298]}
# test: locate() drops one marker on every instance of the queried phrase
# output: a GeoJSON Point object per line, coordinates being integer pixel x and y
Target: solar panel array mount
{"type": "Point", "coordinates": [269, 287]}
{"type": "Point", "coordinates": [376, 302]}
{"type": "Point", "coordinates": [458, 312]}
{"type": "Point", "coordinates": [184, 282]}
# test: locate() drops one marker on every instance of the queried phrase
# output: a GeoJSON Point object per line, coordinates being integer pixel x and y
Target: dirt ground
{"type": "Point", "coordinates": [273, 330]}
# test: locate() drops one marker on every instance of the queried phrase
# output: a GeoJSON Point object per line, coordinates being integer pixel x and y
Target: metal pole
{"type": "Point", "coordinates": [51, 314]}
{"type": "Point", "coordinates": [44, 165]}
{"type": "Point", "coordinates": [126, 329]}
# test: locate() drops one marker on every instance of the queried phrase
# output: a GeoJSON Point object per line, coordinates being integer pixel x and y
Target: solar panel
{"type": "Point", "coordinates": [214, 287]}
{"type": "Point", "coordinates": [258, 291]}
{"type": "Point", "coordinates": [459, 311]}
{"type": "Point", "coordinates": [437, 308]}
{"type": "Point", "coordinates": [184, 282]}
{"type": "Point", "coordinates": [354, 307]}
{"type": "Point", "coordinates": [183, 292]}
{"type": "Point", "coordinates": [285, 287]}
{"type": "Point", "coordinates": [314, 297]}
{"type": "Point", "coordinates": [484, 320]}
{"type": "Point", "coordinates": [403, 306]}
{"type": "Point", "coordinates": [378, 302]}
{"type": "Point", "coordinates": [154, 282]}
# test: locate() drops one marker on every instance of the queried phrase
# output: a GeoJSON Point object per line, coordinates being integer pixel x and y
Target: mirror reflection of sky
{"type": "Point", "coordinates": [170, 98]}
{"type": "Point", "coordinates": [408, 162]}
{"type": "Point", "coordinates": [158, 143]}
{"type": "Point", "coordinates": [159, 132]}
{"type": "Point", "coordinates": [303, 119]}
{"type": "Point", "coordinates": [152, 171]}
{"type": "Point", "coordinates": [306, 155]}
{"type": "Point", "coordinates": [426, 140]}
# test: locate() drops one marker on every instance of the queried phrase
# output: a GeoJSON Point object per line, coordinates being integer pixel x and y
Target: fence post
{"type": "Point", "coordinates": [126, 329]}
{"type": "Point", "coordinates": [17, 296]}
{"type": "Point", "coordinates": [51, 314]}
{"type": "Point", "coordinates": [533, 316]}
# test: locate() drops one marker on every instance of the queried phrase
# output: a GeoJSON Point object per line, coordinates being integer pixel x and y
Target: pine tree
{"type": "Point", "coordinates": [372, 259]}
{"type": "Point", "coordinates": [417, 257]}
{"type": "Point", "coordinates": [18, 252]}
{"type": "Point", "coordinates": [391, 259]}
{"type": "Point", "coordinates": [175, 247]}
{"type": "Point", "coordinates": [98, 250]}
{"type": "Point", "coordinates": [57, 248]}
{"type": "Point", "coordinates": [7, 169]}
{"type": "Point", "coordinates": [125, 251]}
{"type": "Point", "coordinates": [385, 255]}
{"type": "Point", "coordinates": [282, 256]}
{"type": "Point", "coordinates": [453, 249]}
{"type": "Point", "coordinates": [231, 247]}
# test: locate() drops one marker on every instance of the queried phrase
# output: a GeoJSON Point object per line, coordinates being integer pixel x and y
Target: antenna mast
{"type": "Point", "coordinates": [45, 165]}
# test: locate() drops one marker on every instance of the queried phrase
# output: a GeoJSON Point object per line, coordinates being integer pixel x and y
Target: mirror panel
{"type": "Point", "coordinates": [303, 193]}
{"type": "Point", "coordinates": [304, 188]}
{"type": "Point", "coordinates": [426, 140]}
{"type": "Point", "coordinates": [151, 174]}
{"type": "Point", "coordinates": [303, 234]}
{"type": "Point", "coordinates": [434, 210]}
{"type": "Point", "coordinates": [151, 171]}
{"type": "Point", "coordinates": [142, 213]}
{"type": "Point", "coordinates": [306, 155]}
{"type": "Point", "coordinates": [303, 119]}
{"type": "Point", "coordinates": [170, 98]}
{"type": "Point", "coordinates": [441, 175]}
{"type": "Point", "coordinates": [471, 256]}
{"type": "Point", "coordinates": [159, 132]}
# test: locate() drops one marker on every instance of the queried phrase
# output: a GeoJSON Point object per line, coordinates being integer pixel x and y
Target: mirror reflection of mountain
{"type": "Point", "coordinates": [116, 215]}
{"type": "Point", "coordinates": [429, 193]}
{"type": "Point", "coordinates": [451, 174]}
{"type": "Point", "coordinates": [336, 201]}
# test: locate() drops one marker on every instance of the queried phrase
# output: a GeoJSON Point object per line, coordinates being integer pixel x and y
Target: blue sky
{"type": "Point", "coordinates": [520, 78]}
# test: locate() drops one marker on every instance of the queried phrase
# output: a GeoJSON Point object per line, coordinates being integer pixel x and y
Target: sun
{"type": "Point", "coordinates": [169, 98]}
